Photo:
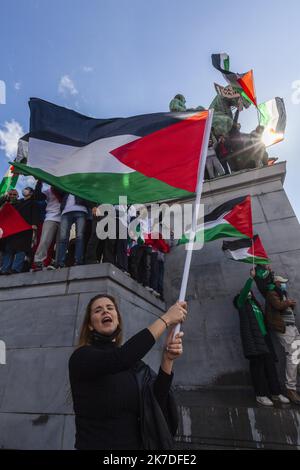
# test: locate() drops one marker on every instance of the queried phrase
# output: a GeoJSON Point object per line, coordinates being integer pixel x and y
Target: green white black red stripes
{"type": "Point", "coordinates": [243, 82]}
{"type": "Point", "coordinates": [146, 158]}
{"type": "Point", "coordinates": [246, 251]}
{"type": "Point", "coordinates": [231, 219]}
{"type": "Point", "coordinates": [221, 61]}
{"type": "Point", "coordinates": [273, 114]}
{"type": "Point", "coordinates": [8, 182]}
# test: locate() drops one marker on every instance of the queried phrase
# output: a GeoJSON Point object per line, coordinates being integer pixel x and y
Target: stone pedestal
{"type": "Point", "coordinates": [41, 313]}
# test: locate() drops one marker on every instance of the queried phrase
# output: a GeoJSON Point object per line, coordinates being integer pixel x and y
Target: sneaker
{"type": "Point", "coordinates": [51, 267]}
{"type": "Point", "coordinates": [37, 267]}
{"type": "Point", "coordinates": [281, 399]}
{"type": "Point", "coordinates": [264, 401]}
{"type": "Point", "coordinates": [293, 396]}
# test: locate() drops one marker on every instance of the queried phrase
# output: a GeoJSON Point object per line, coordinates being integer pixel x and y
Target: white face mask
{"type": "Point", "coordinates": [283, 286]}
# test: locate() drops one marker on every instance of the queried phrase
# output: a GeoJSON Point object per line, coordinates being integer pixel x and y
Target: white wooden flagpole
{"type": "Point", "coordinates": [201, 169]}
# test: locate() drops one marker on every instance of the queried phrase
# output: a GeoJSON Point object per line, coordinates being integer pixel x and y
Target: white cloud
{"type": "Point", "coordinates": [17, 86]}
{"type": "Point", "coordinates": [66, 86]}
{"type": "Point", "coordinates": [9, 137]}
{"type": "Point", "coordinates": [87, 69]}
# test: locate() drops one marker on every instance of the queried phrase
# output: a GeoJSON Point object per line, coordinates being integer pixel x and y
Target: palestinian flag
{"type": "Point", "coordinates": [231, 219]}
{"type": "Point", "coordinates": [247, 251]}
{"type": "Point", "coordinates": [220, 61]}
{"type": "Point", "coordinates": [8, 182]}
{"type": "Point", "coordinates": [242, 82]}
{"type": "Point", "coordinates": [11, 222]}
{"type": "Point", "coordinates": [272, 115]}
{"type": "Point", "coordinates": [147, 158]}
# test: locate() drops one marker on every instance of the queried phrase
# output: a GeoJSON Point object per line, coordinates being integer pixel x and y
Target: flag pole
{"type": "Point", "coordinates": [201, 169]}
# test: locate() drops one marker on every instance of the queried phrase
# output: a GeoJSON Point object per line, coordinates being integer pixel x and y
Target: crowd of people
{"type": "Point", "coordinates": [235, 152]}
{"type": "Point", "coordinates": [258, 325]}
{"type": "Point", "coordinates": [51, 243]}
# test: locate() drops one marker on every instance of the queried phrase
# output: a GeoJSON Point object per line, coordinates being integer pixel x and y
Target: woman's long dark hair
{"type": "Point", "coordinates": [85, 332]}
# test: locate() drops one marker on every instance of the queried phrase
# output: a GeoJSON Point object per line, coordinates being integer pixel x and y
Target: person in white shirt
{"type": "Point", "coordinates": [50, 228]}
{"type": "Point", "coordinates": [74, 210]}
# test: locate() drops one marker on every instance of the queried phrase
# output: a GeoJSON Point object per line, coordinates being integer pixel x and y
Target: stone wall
{"type": "Point", "coordinates": [213, 354]}
{"type": "Point", "coordinates": [40, 318]}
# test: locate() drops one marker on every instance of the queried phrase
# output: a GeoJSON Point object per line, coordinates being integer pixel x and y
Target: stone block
{"type": "Point", "coordinates": [31, 431]}
{"type": "Point", "coordinates": [279, 236]}
{"type": "Point", "coordinates": [276, 205]}
{"type": "Point", "coordinates": [39, 322]}
{"type": "Point", "coordinates": [36, 381]}
{"type": "Point", "coordinates": [29, 292]}
{"type": "Point", "coordinates": [34, 279]}
{"type": "Point", "coordinates": [69, 433]}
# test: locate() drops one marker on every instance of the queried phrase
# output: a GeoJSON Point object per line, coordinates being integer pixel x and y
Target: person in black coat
{"type": "Point", "coordinates": [119, 402]}
{"type": "Point", "coordinates": [258, 347]}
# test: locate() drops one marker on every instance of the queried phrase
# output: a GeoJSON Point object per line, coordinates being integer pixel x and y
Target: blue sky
{"type": "Point", "coordinates": [124, 57]}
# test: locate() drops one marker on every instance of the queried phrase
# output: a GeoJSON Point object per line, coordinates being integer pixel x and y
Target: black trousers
{"type": "Point", "coordinates": [97, 249]}
{"type": "Point", "coordinates": [140, 264]}
{"type": "Point", "coordinates": [264, 375]}
{"type": "Point", "coordinates": [154, 277]}
{"type": "Point", "coordinates": [121, 254]}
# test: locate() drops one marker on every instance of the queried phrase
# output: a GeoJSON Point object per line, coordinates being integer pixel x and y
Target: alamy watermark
{"type": "Point", "coordinates": [2, 92]}
{"type": "Point", "coordinates": [167, 221]}
{"type": "Point", "coordinates": [2, 352]}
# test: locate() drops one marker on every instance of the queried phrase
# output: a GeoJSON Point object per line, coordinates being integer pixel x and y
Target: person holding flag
{"type": "Point", "coordinates": [258, 347]}
{"type": "Point", "coordinates": [119, 402]}
{"type": "Point", "coordinates": [281, 318]}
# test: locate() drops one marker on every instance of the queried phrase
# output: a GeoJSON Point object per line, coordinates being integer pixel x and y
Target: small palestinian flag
{"type": "Point", "coordinates": [243, 82]}
{"type": "Point", "coordinates": [221, 61]}
{"type": "Point", "coordinates": [231, 219]}
{"type": "Point", "coordinates": [272, 115]}
{"type": "Point", "coordinates": [8, 182]}
{"type": "Point", "coordinates": [147, 158]}
{"type": "Point", "coordinates": [11, 221]}
{"type": "Point", "coordinates": [247, 251]}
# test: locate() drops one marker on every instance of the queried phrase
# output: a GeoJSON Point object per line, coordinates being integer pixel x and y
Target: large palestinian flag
{"type": "Point", "coordinates": [147, 158]}
{"type": "Point", "coordinates": [231, 219]}
{"type": "Point", "coordinates": [247, 251]}
{"type": "Point", "coordinates": [11, 221]}
{"type": "Point", "coordinates": [243, 82]}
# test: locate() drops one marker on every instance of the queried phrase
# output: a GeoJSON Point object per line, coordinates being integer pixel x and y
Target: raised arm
{"type": "Point", "coordinates": [89, 362]}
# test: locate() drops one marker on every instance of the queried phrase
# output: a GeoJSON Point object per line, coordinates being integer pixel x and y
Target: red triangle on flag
{"type": "Point", "coordinates": [257, 248]}
{"type": "Point", "coordinates": [11, 222]}
{"type": "Point", "coordinates": [247, 83]}
{"type": "Point", "coordinates": [171, 154]}
{"type": "Point", "coordinates": [240, 217]}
